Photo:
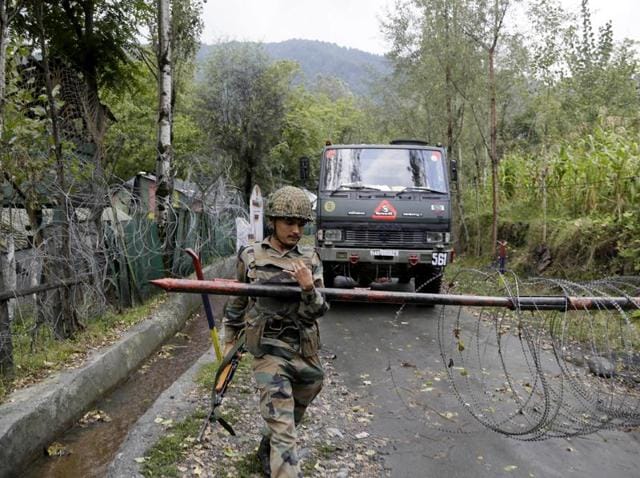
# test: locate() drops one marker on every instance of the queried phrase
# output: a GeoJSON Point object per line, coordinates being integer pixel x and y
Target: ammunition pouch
{"type": "Point", "coordinates": [309, 340]}
{"type": "Point", "coordinates": [265, 331]}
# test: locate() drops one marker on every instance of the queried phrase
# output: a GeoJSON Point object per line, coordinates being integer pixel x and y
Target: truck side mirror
{"type": "Point", "coordinates": [304, 169]}
{"type": "Point", "coordinates": [454, 170]}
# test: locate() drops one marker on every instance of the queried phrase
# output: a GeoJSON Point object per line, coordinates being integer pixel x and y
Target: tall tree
{"type": "Point", "coordinates": [242, 105]}
{"type": "Point", "coordinates": [67, 324]}
{"type": "Point", "coordinates": [435, 70]}
{"type": "Point", "coordinates": [602, 76]}
{"type": "Point", "coordinates": [486, 27]}
{"type": "Point", "coordinates": [8, 9]}
{"type": "Point", "coordinates": [87, 45]}
{"type": "Point", "coordinates": [164, 175]}
{"type": "Point", "coordinates": [90, 44]}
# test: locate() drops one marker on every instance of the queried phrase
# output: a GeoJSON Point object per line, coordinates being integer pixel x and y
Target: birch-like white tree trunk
{"type": "Point", "coordinates": [10, 278]}
{"type": "Point", "coordinates": [164, 177]}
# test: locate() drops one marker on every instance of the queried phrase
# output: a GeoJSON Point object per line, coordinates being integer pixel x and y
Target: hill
{"type": "Point", "coordinates": [355, 67]}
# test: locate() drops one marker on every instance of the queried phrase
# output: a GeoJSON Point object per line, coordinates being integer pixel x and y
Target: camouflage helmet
{"type": "Point", "coordinates": [289, 202]}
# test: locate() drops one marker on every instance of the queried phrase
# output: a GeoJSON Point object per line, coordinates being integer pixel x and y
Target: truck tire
{"type": "Point", "coordinates": [328, 275]}
{"type": "Point", "coordinates": [429, 280]}
{"type": "Point", "coordinates": [365, 278]}
{"type": "Point", "coordinates": [404, 277]}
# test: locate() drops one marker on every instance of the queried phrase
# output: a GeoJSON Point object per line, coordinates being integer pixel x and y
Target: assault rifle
{"type": "Point", "coordinates": [227, 365]}
{"type": "Point", "coordinates": [224, 375]}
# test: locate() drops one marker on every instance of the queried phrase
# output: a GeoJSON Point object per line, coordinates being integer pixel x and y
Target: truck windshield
{"type": "Point", "coordinates": [384, 169]}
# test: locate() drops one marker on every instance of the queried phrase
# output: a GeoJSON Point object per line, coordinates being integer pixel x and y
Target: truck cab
{"type": "Point", "coordinates": [384, 211]}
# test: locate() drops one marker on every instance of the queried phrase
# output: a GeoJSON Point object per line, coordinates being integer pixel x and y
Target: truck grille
{"type": "Point", "coordinates": [385, 238]}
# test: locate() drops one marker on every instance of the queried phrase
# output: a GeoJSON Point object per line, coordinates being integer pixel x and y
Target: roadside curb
{"type": "Point", "coordinates": [36, 415]}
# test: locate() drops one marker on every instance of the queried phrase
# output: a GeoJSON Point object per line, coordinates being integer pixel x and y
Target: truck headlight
{"type": "Point", "coordinates": [434, 237]}
{"type": "Point", "coordinates": [332, 235]}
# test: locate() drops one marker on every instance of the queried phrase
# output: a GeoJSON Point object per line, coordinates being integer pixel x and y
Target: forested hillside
{"type": "Point", "coordinates": [358, 69]}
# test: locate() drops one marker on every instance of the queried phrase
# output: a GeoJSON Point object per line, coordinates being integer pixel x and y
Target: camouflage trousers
{"type": "Point", "coordinates": [287, 386]}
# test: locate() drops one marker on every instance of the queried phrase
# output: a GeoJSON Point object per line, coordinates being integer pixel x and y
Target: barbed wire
{"type": "Point", "coordinates": [540, 374]}
{"type": "Point", "coordinates": [114, 253]}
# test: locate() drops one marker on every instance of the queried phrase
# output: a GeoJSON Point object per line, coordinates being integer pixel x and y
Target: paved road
{"type": "Point", "coordinates": [376, 353]}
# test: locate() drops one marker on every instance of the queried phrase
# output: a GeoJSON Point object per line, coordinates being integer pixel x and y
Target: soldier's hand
{"type": "Point", "coordinates": [302, 274]}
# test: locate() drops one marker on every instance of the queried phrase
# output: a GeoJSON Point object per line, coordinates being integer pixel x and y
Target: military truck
{"type": "Point", "coordinates": [383, 212]}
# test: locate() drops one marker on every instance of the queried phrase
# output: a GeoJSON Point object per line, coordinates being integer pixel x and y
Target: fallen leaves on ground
{"type": "Point", "coordinates": [333, 440]}
{"type": "Point", "coordinates": [57, 449]}
{"type": "Point", "coordinates": [94, 416]}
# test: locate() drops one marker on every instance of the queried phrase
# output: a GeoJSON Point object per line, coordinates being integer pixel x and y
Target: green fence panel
{"type": "Point", "coordinates": [135, 255]}
{"type": "Point", "coordinates": [144, 254]}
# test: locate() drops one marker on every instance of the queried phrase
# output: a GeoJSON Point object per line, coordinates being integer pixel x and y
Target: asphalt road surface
{"type": "Point", "coordinates": [393, 363]}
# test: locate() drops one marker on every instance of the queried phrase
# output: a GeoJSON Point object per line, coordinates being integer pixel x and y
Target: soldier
{"type": "Point", "coordinates": [281, 334]}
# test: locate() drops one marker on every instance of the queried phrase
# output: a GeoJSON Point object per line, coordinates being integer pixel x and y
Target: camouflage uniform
{"type": "Point", "coordinates": [284, 338]}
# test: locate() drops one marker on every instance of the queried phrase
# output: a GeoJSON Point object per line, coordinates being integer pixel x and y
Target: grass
{"type": "Point", "coordinates": [37, 355]}
{"type": "Point", "coordinates": [161, 459]}
{"type": "Point", "coordinates": [248, 465]}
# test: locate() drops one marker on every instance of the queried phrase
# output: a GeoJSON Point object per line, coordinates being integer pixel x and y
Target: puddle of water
{"type": "Point", "coordinates": [93, 447]}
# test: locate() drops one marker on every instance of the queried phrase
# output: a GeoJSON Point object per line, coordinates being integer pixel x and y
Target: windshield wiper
{"type": "Point", "coordinates": [354, 187]}
{"type": "Point", "coordinates": [418, 188]}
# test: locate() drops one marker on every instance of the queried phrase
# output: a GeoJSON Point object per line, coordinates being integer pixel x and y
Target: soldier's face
{"type": "Point", "coordinates": [288, 231]}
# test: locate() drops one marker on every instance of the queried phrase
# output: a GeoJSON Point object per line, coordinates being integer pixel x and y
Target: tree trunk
{"type": "Point", "coordinates": [98, 262]}
{"type": "Point", "coordinates": [164, 178]}
{"type": "Point", "coordinates": [248, 179]}
{"type": "Point", "coordinates": [6, 343]}
{"type": "Point", "coordinates": [4, 40]}
{"type": "Point", "coordinates": [9, 266]}
{"type": "Point", "coordinates": [493, 150]}
{"type": "Point", "coordinates": [67, 324]}
{"type": "Point", "coordinates": [544, 197]}
{"type": "Point", "coordinates": [458, 196]}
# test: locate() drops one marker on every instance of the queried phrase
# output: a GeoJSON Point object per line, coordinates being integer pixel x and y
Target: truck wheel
{"type": "Point", "coordinates": [404, 277]}
{"type": "Point", "coordinates": [429, 281]}
{"type": "Point", "coordinates": [328, 276]}
{"type": "Point", "coordinates": [365, 278]}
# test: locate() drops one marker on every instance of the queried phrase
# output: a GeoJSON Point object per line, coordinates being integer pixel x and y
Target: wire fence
{"type": "Point", "coordinates": [78, 264]}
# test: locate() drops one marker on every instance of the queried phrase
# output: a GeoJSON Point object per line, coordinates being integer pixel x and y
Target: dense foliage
{"type": "Point", "coordinates": [544, 126]}
{"type": "Point", "coordinates": [554, 122]}
{"type": "Point", "coordinates": [568, 117]}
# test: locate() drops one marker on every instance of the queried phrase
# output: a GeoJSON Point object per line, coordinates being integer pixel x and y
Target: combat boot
{"type": "Point", "coordinates": [264, 455]}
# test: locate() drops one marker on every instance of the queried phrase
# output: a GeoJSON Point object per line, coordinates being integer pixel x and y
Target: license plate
{"type": "Point", "coordinates": [384, 252]}
{"type": "Point", "coordinates": [439, 259]}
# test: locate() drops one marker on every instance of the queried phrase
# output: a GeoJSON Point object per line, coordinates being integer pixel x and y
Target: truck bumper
{"type": "Point", "coordinates": [438, 256]}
